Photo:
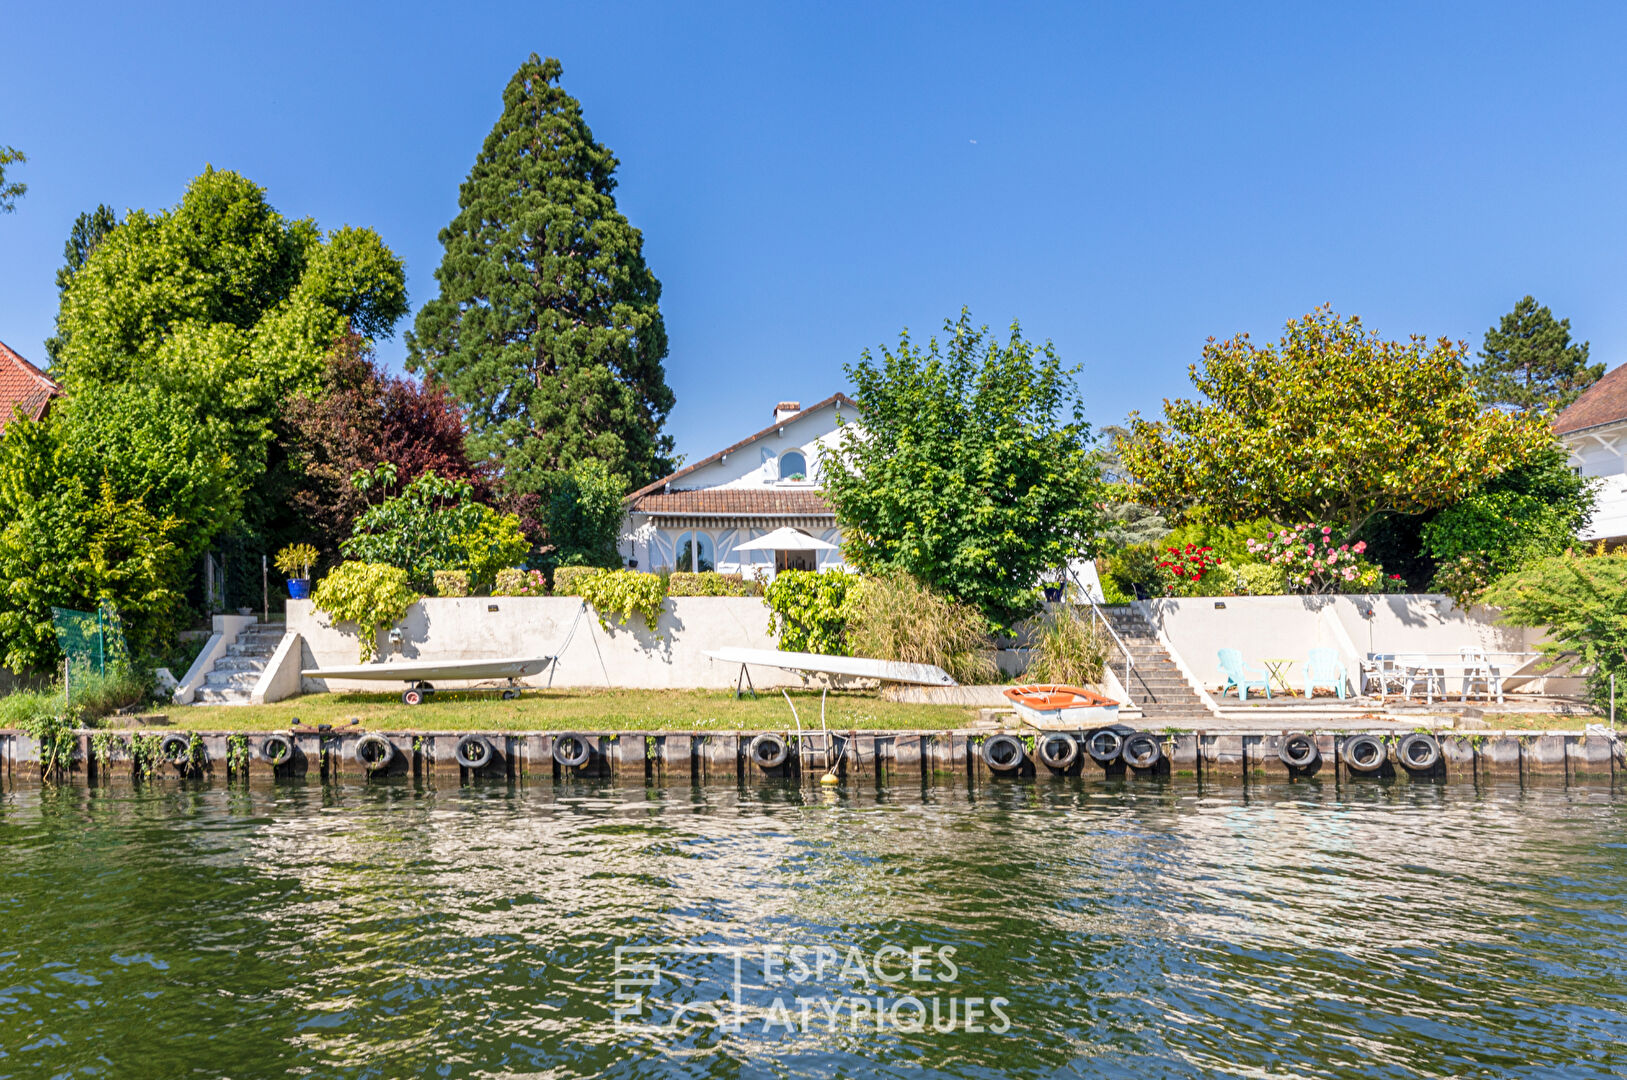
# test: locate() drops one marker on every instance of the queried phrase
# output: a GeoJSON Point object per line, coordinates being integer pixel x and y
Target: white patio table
{"type": "Point", "coordinates": [1489, 667]}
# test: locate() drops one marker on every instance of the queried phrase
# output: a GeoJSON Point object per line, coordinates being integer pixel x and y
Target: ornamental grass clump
{"type": "Point", "coordinates": [896, 617]}
{"type": "Point", "coordinates": [1068, 648]}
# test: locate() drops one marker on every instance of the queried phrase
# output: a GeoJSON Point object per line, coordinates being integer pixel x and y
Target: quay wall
{"type": "Point", "coordinates": [856, 757]}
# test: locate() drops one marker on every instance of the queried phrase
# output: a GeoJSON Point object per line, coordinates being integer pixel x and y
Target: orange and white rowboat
{"type": "Point", "coordinates": [1054, 705]}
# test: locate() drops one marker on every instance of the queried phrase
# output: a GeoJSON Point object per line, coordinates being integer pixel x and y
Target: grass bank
{"type": "Point", "coordinates": [577, 710]}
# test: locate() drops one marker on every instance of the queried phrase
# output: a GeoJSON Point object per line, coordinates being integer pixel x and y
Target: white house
{"type": "Point", "coordinates": [696, 518]}
{"type": "Point", "coordinates": [1594, 431]}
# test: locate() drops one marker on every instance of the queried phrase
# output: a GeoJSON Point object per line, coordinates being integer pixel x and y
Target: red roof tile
{"type": "Point", "coordinates": [1604, 402]}
{"type": "Point", "coordinates": [735, 502]}
{"type": "Point", "coordinates": [23, 386]}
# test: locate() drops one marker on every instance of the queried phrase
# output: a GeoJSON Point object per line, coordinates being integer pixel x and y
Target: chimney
{"type": "Point", "coordinates": [786, 409]}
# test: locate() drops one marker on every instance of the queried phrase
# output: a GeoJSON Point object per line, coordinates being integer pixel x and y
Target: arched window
{"type": "Point", "coordinates": [695, 553]}
{"type": "Point", "coordinates": [793, 465]}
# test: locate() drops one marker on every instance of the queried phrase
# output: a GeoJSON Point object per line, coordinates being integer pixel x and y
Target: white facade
{"type": "Point", "coordinates": [696, 518]}
{"type": "Point", "coordinates": [1602, 452]}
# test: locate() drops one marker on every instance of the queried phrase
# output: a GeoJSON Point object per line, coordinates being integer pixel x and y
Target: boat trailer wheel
{"type": "Point", "coordinates": [1058, 750]}
{"type": "Point", "coordinates": [1364, 753]}
{"type": "Point", "coordinates": [374, 752]}
{"type": "Point", "coordinates": [769, 750]}
{"type": "Point", "coordinates": [572, 751]}
{"type": "Point", "coordinates": [473, 752]}
{"type": "Point", "coordinates": [1104, 746]}
{"type": "Point", "coordinates": [418, 694]}
{"type": "Point", "coordinates": [1141, 750]}
{"type": "Point", "coordinates": [1298, 750]}
{"type": "Point", "coordinates": [1419, 751]}
{"type": "Point", "coordinates": [1003, 753]}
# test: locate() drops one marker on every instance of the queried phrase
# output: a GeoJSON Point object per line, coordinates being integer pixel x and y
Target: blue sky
{"type": "Point", "coordinates": [811, 178]}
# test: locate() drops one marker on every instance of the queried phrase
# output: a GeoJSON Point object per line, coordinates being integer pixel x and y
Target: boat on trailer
{"type": "Point", "coordinates": [422, 675]}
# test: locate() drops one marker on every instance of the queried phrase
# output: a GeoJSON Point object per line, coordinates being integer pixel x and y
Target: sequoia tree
{"type": "Point", "coordinates": [1332, 423]}
{"type": "Point", "coordinates": [547, 324]}
{"type": "Point", "coordinates": [1530, 362]}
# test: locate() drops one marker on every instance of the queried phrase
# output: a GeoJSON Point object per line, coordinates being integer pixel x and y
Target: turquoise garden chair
{"type": "Point", "coordinates": [1239, 677]}
{"type": "Point", "coordinates": [1323, 668]}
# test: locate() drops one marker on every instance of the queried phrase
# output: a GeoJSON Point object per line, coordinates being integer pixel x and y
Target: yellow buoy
{"type": "Point", "coordinates": [828, 778]}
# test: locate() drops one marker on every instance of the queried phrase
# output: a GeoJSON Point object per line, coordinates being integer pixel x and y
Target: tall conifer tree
{"type": "Point", "coordinates": [1530, 362]}
{"type": "Point", "coordinates": [547, 324]}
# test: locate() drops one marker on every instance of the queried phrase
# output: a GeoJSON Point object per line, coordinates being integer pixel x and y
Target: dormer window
{"type": "Point", "coordinates": [793, 465]}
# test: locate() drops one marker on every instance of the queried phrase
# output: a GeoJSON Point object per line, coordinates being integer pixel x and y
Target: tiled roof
{"type": "Point", "coordinates": [735, 502]}
{"type": "Point", "coordinates": [22, 385]}
{"type": "Point", "coordinates": [1604, 402]}
{"type": "Point", "coordinates": [834, 399]}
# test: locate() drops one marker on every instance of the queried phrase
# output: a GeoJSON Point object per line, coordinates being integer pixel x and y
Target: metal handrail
{"type": "Point", "coordinates": [1100, 616]}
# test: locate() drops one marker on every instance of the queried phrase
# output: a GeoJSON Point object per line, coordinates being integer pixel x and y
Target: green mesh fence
{"type": "Point", "coordinates": [92, 641]}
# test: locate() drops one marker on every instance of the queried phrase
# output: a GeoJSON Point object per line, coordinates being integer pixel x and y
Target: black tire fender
{"type": "Point", "coordinates": [473, 752]}
{"type": "Point", "coordinates": [1364, 753]}
{"type": "Point", "coordinates": [277, 749]}
{"type": "Point", "coordinates": [769, 750]}
{"type": "Point", "coordinates": [385, 752]}
{"type": "Point", "coordinates": [571, 750]}
{"type": "Point", "coordinates": [1057, 750]}
{"type": "Point", "coordinates": [1419, 752]}
{"type": "Point", "coordinates": [1142, 750]}
{"type": "Point", "coordinates": [1298, 750]}
{"type": "Point", "coordinates": [176, 749]}
{"type": "Point", "coordinates": [1104, 746]}
{"type": "Point", "coordinates": [1003, 753]}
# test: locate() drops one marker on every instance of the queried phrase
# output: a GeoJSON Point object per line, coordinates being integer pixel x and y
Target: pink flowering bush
{"type": "Point", "coordinates": [1314, 563]}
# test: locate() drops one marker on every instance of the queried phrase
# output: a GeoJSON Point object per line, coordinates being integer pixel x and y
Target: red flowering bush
{"type": "Point", "coordinates": [1315, 564]}
{"type": "Point", "coordinates": [1187, 565]}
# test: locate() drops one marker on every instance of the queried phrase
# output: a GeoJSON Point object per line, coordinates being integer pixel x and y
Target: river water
{"type": "Point", "coordinates": [1056, 929]}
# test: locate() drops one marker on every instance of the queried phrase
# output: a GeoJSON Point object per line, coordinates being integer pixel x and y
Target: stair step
{"type": "Point", "coordinates": [241, 663]}
{"type": "Point", "coordinates": [245, 680]}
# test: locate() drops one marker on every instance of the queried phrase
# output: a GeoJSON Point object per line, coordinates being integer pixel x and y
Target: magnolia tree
{"type": "Point", "coordinates": [1332, 424]}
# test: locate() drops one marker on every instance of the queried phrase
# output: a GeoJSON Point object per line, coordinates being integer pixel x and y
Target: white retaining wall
{"type": "Point", "coordinates": [1290, 626]}
{"type": "Point", "coordinates": [475, 628]}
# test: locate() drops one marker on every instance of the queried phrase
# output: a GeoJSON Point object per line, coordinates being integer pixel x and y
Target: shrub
{"type": "Point", "coordinates": [809, 609]}
{"type": "Point", "coordinates": [1313, 563]}
{"type": "Point", "coordinates": [452, 582]}
{"type": "Point", "coordinates": [1187, 565]}
{"type": "Point", "coordinates": [1581, 603]}
{"type": "Point", "coordinates": [568, 579]}
{"type": "Point", "coordinates": [621, 594]}
{"type": "Point", "coordinates": [97, 695]}
{"type": "Point", "coordinates": [1259, 579]}
{"type": "Point", "coordinates": [585, 515]}
{"type": "Point", "coordinates": [896, 617]}
{"type": "Point", "coordinates": [296, 560]}
{"type": "Point", "coordinates": [1228, 542]}
{"type": "Point", "coordinates": [1464, 578]}
{"type": "Point", "coordinates": [711, 583]}
{"type": "Point", "coordinates": [1068, 648]}
{"type": "Point", "coordinates": [369, 595]}
{"type": "Point", "coordinates": [1135, 565]}
{"type": "Point", "coordinates": [516, 582]}
{"type": "Point", "coordinates": [1502, 529]}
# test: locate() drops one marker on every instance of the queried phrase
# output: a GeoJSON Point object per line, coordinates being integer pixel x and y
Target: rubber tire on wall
{"type": "Point", "coordinates": [1432, 752]}
{"type": "Point", "coordinates": [1141, 751]}
{"type": "Point", "coordinates": [271, 742]}
{"type": "Point", "coordinates": [477, 743]}
{"type": "Point", "coordinates": [1100, 755]}
{"type": "Point", "coordinates": [1003, 765]}
{"type": "Point", "coordinates": [572, 761]}
{"type": "Point", "coordinates": [1312, 753]}
{"type": "Point", "coordinates": [179, 758]}
{"type": "Point", "coordinates": [779, 750]}
{"type": "Point", "coordinates": [1353, 762]}
{"type": "Point", "coordinates": [1063, 761]}
{"type": "Point", "coordinates": [373, 738]}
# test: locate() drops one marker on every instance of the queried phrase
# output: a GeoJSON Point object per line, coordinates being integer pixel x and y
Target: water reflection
{"type": "Point", "coordinates": [401, 930]}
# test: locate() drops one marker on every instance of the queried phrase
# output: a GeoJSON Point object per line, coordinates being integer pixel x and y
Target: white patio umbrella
{"type": "Point", "coordinates": [786, 539]}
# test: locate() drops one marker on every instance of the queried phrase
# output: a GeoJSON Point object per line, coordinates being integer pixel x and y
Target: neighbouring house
{"type": "Point", "coordinates": [696, 518]}
{"type": "Point", "coordinates": [1594, 432]}
{"type": "Point", "coordinates": [23, 388]}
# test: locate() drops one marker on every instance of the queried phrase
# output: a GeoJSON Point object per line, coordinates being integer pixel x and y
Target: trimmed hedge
{"type": "Point", "coordinates": [515, 582]}
{"type": "Point", "coordinates": [568, 579]}
{"type": "Point", "coordinates": [712, 583]}
{"type": "Point", "coordinates": [451, 582]}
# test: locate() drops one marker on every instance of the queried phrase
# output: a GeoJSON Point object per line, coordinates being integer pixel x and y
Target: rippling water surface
{"type": "Point", "coordinates": [401, 931]}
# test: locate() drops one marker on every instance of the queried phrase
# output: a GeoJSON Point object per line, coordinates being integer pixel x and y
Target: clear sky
{"type": "Point", "coordinates": [1126, 180]}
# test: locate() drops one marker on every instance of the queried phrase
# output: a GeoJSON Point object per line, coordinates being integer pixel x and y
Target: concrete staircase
{"type": "Point", "coordinates": [1156, 685]}
{"type": "Point", "coordinates": [232, 679]}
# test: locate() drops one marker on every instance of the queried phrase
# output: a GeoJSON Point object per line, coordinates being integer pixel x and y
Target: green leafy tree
{"type": "Point", "coordinates": [585, 515]}
{"type": "Point", "coordinates": [434, 524]}
{"type": "Point", "coordinates": [112, 500]}
{"type": "Point", "coordinates": [1581, 601]}
{"type": "Point", "coordinates": [88, 230]}
{"type": "Point", "coordinates": [1333, 423]}
{"type": "Point", "coordinates": [1530, 362]}
{"type": "Point", "coordinates": [973, 471]}
{"type": "Point", "coordinates": [547, 324]}
{"type": "Point", "coordinates": [10, 191]}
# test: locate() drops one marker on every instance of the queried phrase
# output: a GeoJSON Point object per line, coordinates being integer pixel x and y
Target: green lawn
{"type": "Point", "coordinates": [578, 710]}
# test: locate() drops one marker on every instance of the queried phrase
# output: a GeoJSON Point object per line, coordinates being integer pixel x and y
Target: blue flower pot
{"type": "Point", "coordinates": [299, 589]}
